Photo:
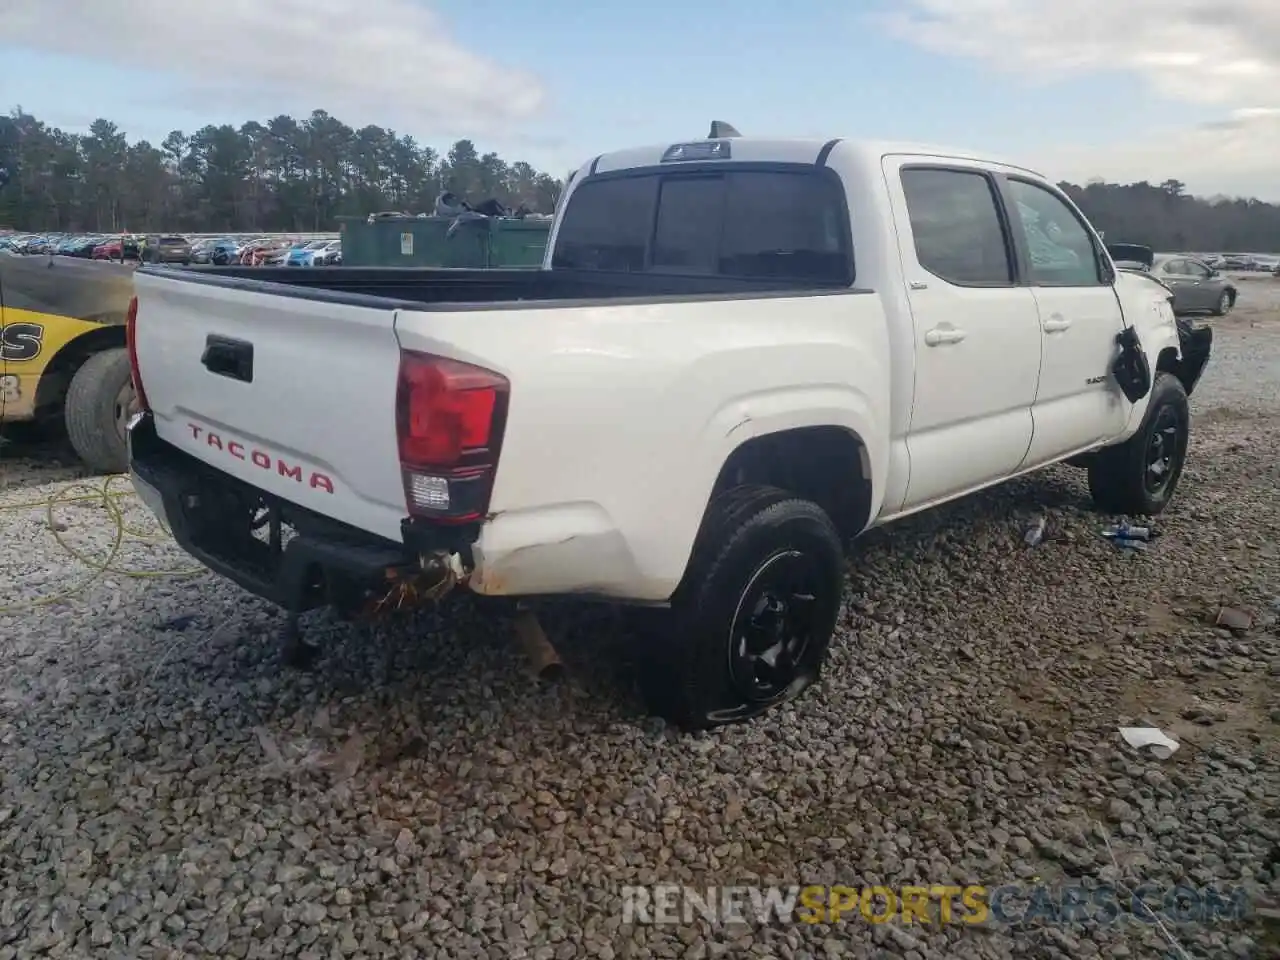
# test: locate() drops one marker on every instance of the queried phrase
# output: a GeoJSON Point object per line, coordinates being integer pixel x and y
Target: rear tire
{"type": "Point", "coordinates": [751, 624]}
{"type": "Point", "coordinates": [98, 405]}
{"type": "Point", "coordinates": [1139, 477]}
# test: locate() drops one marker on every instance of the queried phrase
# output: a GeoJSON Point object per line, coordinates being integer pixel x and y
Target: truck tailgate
{"type": "Point", "coordinates": [293, 395]}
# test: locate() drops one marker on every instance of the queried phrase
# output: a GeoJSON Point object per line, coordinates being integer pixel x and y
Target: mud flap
{"type": "Point", "coordinates": [1131, 368]}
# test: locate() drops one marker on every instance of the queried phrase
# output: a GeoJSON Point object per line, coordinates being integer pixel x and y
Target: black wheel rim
{"type": "Point", "coordinates": [773, 628]}
{"type": "Point", "coordinates": [1162, 452]}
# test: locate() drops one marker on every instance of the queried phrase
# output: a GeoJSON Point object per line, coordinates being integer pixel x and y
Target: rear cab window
{"type": "Point", "coordinates": [745, 223]}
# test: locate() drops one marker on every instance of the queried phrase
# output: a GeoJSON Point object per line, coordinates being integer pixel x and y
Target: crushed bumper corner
{"type": "Point", "coordinates": [1197, 345]}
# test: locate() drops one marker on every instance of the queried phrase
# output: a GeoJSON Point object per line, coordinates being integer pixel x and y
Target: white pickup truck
{"type": "Point", "coordinates": [740, 354]}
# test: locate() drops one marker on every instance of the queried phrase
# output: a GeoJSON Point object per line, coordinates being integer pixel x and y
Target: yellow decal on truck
{"type": "Point", "coordinates": [28, 341]}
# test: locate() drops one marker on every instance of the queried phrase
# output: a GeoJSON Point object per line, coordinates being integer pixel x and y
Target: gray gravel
{"type": "Point", "coordinates": [168, 790]}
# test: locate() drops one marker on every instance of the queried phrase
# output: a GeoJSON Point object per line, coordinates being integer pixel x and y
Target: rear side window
{"type": "Point", "coordinates": [749, 224]}
{"type": "Point", "coordinates": [956, 225]}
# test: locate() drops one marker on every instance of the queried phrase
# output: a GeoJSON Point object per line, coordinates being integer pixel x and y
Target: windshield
{"type": "Point", "coordinates": [777, 224]}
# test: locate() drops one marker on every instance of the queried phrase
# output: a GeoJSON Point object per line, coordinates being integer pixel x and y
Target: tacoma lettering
{"type": "Point", "coordinates": [262, 459]}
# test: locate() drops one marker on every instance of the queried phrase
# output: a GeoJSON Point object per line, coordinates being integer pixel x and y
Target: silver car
{"type": "Point", "coordinates": [1197, 287]}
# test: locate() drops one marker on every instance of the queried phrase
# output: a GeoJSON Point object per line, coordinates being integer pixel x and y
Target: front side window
{"type": "Point", "coordinates": [956, 225]}
{"type": "Point", "coordinates": [747, 224]}
{"type": "Point", "coordinates": [1061, 249]}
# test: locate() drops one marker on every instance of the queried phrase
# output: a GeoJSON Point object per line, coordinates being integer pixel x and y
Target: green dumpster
{"type": "Point", "coordinates": [428, 242]}
{"type": "Point", "coordinates": [518, 243]}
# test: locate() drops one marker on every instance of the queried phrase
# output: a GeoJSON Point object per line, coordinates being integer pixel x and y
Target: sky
{"type": "Point", "coordinates": [1078, 89]}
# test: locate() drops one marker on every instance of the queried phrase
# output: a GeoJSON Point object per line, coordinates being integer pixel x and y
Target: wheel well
{"type": "Point", "coordinates": [52, 387]}
{"type": "Point", "coordinates": [827, 465]}
{"type": "Point", "coordinates": [1232, 292]}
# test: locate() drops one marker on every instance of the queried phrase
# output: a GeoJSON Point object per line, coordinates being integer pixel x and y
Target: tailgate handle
{"type": "Point", "coordinates": [228, 358]}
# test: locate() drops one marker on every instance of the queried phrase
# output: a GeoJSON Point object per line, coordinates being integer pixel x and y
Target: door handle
{"type": "Point", "coordinates": [1056, 324]}
{"type": "Point", "coordinates": [942, 335]}
{"type": "Point", "coordinates": [228, 358]}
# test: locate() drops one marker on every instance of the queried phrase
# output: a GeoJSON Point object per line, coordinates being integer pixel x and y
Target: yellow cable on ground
{"type": "Point", "coordinates": [98, 568]}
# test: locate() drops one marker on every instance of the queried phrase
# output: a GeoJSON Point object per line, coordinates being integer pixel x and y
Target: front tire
{"type": "Point", "coordinates": [98, 405]}
{"type": "Point", "coordinates": [1225, 303]}
{"type": "Point", "coordinates": [1139, 476]}
{"type": "Point", "coordinates": [751, 624]}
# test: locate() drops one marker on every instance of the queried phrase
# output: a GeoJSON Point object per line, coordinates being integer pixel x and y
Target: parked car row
{"type": "Point", "coordinates": [1247, 262]}
{"type": "Point", "coordinates": [269, 252]}
{"type": "Point", "coordinates": [66, 245]}
{"type": "Point", "coordinates": [172, 248]}
{"type": "Point", "coordinates": [156, 248]}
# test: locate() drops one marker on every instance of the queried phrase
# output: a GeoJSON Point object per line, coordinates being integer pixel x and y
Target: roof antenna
{"type": "Point", "coordinates": [721, 130]}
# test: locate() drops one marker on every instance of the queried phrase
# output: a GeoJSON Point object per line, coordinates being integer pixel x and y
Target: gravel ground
{"type": "Point", "coordinates": [168, 790]}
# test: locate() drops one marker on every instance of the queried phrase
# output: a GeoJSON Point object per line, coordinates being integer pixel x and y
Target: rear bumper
{"type": "Point", "coordinates": [299, 561]}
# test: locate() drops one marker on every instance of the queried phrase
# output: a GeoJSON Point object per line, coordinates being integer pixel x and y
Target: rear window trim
{"type": "Point", "coordinates": [694, 167]}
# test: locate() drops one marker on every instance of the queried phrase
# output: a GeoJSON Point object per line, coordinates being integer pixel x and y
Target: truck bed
{"type": "Point", "coordinates": [419, 288]}
{"type": "Point", "coordinates": [615, 379]}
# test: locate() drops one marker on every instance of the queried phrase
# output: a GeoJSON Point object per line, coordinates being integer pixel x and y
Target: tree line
{"type": "Point", "coordinates": [301, 175]}
{"type": "Point", "coordinates": [282, 175]}
{"type": "Point", "coordinates": [1164, 216]}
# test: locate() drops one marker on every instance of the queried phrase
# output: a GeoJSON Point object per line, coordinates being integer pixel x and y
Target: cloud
{"type": "Point", "coordinates": [1222, 54]}
{"type": "Point", "coordinates": [378, 61]}
{"type": "Point", "coordinates": [1201, 51]}
{"type": "Point", "coordinates": [1233, 156]}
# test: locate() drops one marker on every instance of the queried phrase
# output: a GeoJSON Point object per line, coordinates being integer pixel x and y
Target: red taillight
{"type": "Point", "coordinates": [130, 338]}
{"type": "Point", "coordinates": [449, 422]}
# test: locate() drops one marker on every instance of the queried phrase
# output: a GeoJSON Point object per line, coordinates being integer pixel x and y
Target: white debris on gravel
{"type": "Point", "coordinates": [167, 789]}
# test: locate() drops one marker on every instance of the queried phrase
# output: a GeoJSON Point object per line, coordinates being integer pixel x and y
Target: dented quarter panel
{"type": "Point", "coordinates": [570, 548]}
{"type": "Point", "coordinates": [602, 491]}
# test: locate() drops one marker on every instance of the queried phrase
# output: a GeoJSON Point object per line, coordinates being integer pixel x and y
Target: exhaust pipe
{"type": "Point", "coordinates": [544, 662]}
